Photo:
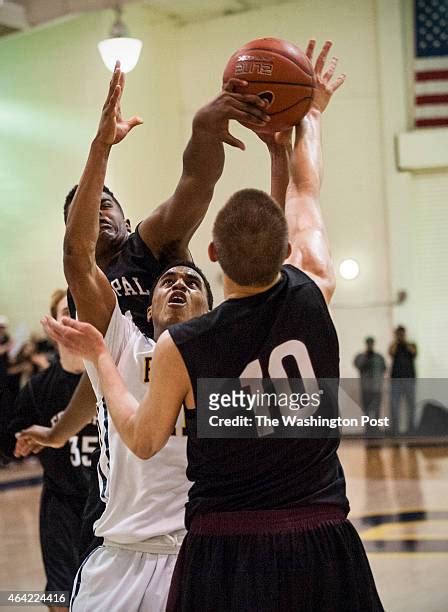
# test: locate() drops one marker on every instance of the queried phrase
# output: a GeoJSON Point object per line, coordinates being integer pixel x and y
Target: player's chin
{"type": "Point", "coordinates": [176, 313]}
{"type": "Point", "coordinates": [107, 235]}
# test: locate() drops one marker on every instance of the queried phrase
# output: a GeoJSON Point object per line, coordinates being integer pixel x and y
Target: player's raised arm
{"type": "Point", "coordinates": [280, 149]}
{"type": "Point", "coordinates": [93, 295]}
{"type": "Point", "coordinates": [308, 237]}
{"type": "Point", "coordinates": [168, 230]}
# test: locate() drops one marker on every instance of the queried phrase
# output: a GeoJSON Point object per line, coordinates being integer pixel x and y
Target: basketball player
{"type": "Point", "coordinates": [132, 261]}
{"type": "Point", "coordinates": [143, 521]}
{"type": "Point", "coordinates": [65, 470]}
{"type": "Point", "coordinates": [266, 518]}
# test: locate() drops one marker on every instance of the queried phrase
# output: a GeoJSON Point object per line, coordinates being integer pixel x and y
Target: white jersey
{"type": "Point", "coordinates": [144, 498]}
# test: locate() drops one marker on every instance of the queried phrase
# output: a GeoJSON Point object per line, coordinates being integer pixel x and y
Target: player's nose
{"type": "Point", "coordinates": [180, 284]}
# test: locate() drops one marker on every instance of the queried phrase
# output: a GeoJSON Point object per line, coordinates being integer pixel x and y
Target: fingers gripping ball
{"type": "Point", "coordinates": [280, 73]}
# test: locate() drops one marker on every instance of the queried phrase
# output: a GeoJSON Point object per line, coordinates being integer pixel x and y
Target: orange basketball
{"type": "Point", "coordinates": [279, 72]}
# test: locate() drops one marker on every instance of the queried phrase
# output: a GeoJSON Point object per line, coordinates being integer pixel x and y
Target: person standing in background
{"type": "Point", "coordinates": [5, 346]}
{"type": "Point", "coordinates": [403, 354]}
{"type": "Point", "coordinates": [371, 367]}
{"type": "Point", "coordinates": [66, 470]}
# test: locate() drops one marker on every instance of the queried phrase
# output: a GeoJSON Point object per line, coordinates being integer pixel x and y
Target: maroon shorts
{"type": "Point", "coordinates": [301, 559]}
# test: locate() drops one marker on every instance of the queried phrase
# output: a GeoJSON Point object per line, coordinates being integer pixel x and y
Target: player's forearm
{"type": "Point", "coordinates": [203, 164]}
{"type": "Point", "coordinates": [204, 156]}
{"type": "Point", "coordinates": [169, 230]}
{"type": "Point", "coordinates": [279, 173]}
{"type": "Point", "coordinates": [82, 228]}
{"type": "Point", "coordinates": [121, 404]}
{"type": "Point", "coordinates": [306, 170]}
{"type": "Point", "coordinates": [79, 412]}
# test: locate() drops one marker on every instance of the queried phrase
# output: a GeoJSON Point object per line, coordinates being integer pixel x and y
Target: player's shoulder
{"type": "Point", "coordinates": [296, 277]}
{"type": "Point", "coordinates": [183, 332]}
{"type": "Point", "coordinates": [123, 330]}
{"type": "Point", "coordinates": [299, 282]}
{"type": "Point", "coordinates": [135, 245]}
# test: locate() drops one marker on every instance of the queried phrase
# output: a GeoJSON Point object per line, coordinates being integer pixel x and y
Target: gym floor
{"type": "Point", "coordinates": [399, 504]}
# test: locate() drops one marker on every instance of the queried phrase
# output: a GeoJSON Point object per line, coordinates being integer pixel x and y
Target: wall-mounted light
{"type": "Point", "coordinates": [349, 269]}
{"type": "Point", "coordinates": [120, 46]}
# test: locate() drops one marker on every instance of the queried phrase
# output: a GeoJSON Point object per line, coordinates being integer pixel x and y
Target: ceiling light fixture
{"type": "Point", "coordinates": [120, 46]}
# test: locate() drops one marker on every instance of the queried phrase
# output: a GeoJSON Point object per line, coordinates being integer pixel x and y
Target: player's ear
{"type": "Point", "coordinates": [149, 313]}
{"type": "Point", "coordinates": [289, 251]}
{"type": "Point", "coordinates": [213, 256]}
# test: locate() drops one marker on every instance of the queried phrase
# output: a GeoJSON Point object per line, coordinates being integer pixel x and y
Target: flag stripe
{"type": "Point", "coordinates": [431, 88]}
{"type": "Point", "coordinates": [436, 99]}
{"type": "Point", "coordinates": [426, 111]}
{"type": "Point", "coordinates": [430, 63]}
{"type": "Point", "coordinates": [431, 75]}
{"type": "Point", "coordinates": [432, 122]}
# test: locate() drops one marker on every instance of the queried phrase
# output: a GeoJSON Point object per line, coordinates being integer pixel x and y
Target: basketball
{"type": "Point", "coordinates": [278, 72]}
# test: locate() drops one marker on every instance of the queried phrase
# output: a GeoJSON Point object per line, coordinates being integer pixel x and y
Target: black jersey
{"type": "Point", "coordinates": [131, 274]}
{"type": "Point", "coordinates": [41, 402]}
{"type": "Point", "coordinates": [265, 473]}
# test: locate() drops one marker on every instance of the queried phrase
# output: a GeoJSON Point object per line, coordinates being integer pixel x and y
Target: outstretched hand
{"type": "Point", "coordinates": [112, 127]}
{"type": "Point", "coordinates": [325, 86]}
{"type": "Point", "coordinates": [245, 108]}
{"type": "Point", "coordinates": [78, 337]}
{"type": "Point", "coordinates": [34, 439]}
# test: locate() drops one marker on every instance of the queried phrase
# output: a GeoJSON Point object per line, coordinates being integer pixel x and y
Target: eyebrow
{"type": "Point", "coordinates": [195, 277]}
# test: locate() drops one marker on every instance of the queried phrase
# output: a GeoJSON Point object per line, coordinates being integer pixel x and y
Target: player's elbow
{"type": "Point", "coordinates": [147, 447]}
{"type": "Point", "coordinates": [144, 449]}
{"type": "Point", "coordinates": [319, 265]}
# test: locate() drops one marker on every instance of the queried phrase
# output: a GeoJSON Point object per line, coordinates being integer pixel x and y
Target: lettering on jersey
{"type": "Point", "coordinates": [124, 286]}
{"type": "Point", "coordinates": [139, 287]}
{"type": "Point", "coordinates": [147, 369]}
{"type": "Point", "coordinates": [81, 447]}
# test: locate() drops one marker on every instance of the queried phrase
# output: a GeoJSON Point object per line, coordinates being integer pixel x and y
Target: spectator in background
{"type": "Point", "coordinates": [403, 354]}
{"type": "Point", "coordinates": [371, 367]}
{"type": "Point", "coordinates": [33, 357]}
{"type": "Point", "coordinates": [5, 347]}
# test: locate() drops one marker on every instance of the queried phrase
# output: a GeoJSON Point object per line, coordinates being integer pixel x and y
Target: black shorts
{"type": "Point", "coordinates": [302, 560]}
{"type": "Point", "coordinates": [60, 528]}
{"type": "Point", "coordinates": [94, 508]}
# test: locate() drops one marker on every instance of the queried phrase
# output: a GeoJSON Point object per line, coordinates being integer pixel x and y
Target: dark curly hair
{"type": "Point", "coordinates": [71, 194]}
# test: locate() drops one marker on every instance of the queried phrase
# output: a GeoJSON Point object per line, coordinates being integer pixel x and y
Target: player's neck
{"type": "Point", "coordinates": [70, 362]}
{"type": "Point", "coordinates": [234, 291]}
{"type": "Point", "coordinates": [104, 253]}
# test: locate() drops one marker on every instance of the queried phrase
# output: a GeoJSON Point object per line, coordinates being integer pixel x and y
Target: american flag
{"type": "Point", "coordinates": [431, 63]}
